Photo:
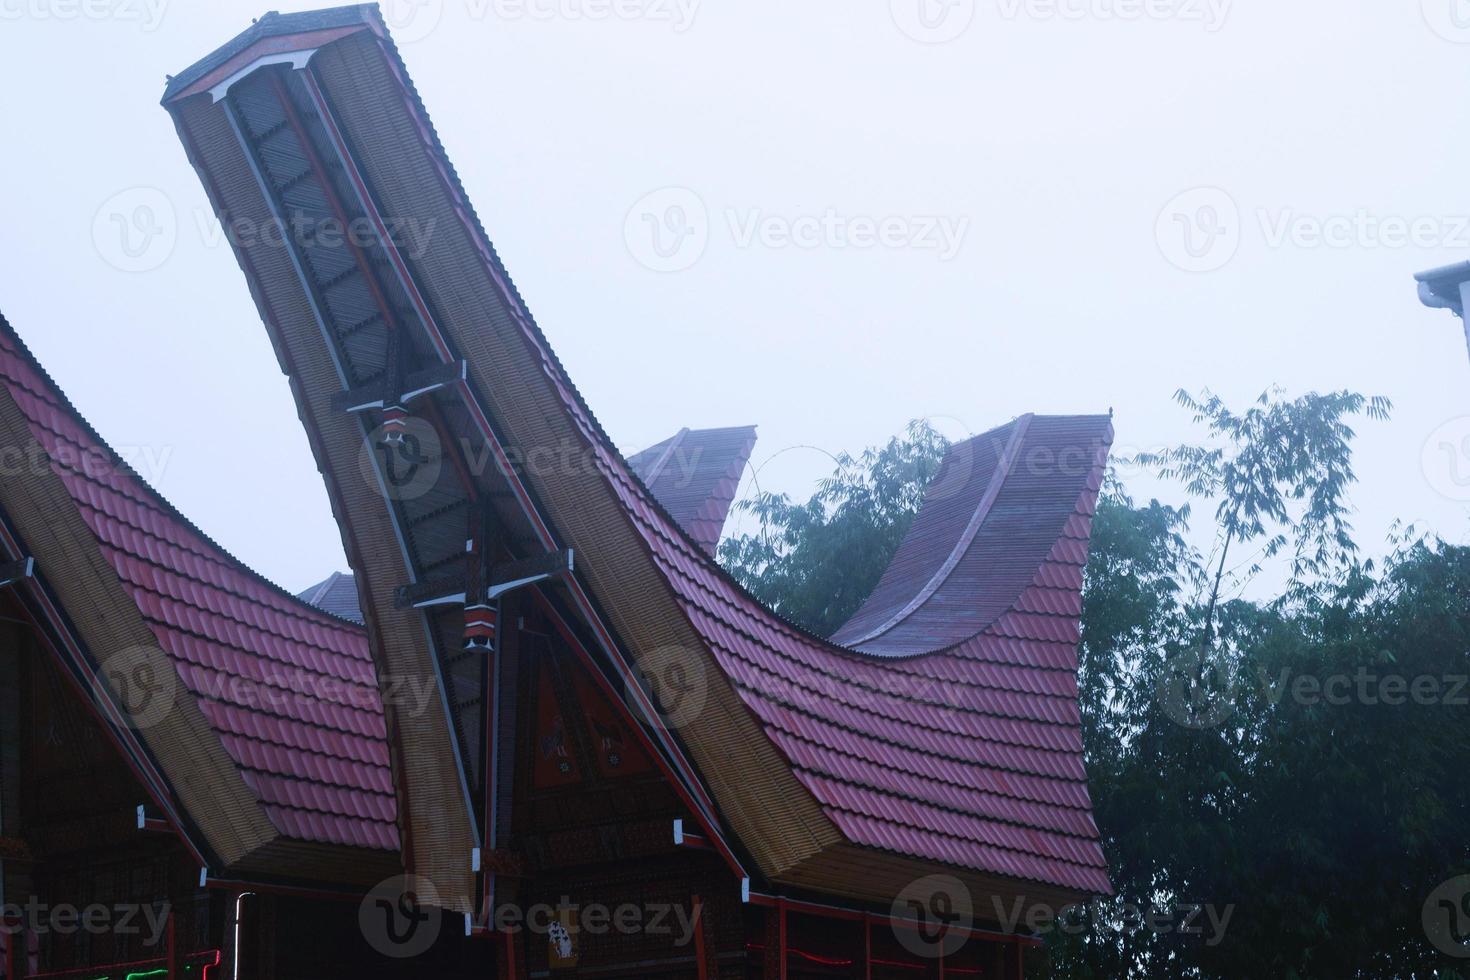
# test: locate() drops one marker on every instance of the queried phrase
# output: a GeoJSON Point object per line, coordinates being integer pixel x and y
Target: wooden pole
{"type": "Point", "coordinates": [781, 930]}
{"type": "Point", "coordinates": [867, 947]}
{"type": "Point", "coordinates": [699, 953]}
{"type": "Point", "coordinates": [171, 949]}
{"type": "Point", "coordinates": [16, 946]}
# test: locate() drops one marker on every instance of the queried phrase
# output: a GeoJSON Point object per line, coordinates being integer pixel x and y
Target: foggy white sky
{"type": "Point", "coordinates": [1054, 138]}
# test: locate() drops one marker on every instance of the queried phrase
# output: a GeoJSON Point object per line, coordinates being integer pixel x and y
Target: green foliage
{"type": "Point", "coordinates": [816, 562]}
{"type": "Point", "coordinates": [1319, 801]}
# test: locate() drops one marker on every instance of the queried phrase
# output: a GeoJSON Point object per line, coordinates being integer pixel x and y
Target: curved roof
{"type": "Point", "coordinates": [949, 735]}
{"type": "Point", "coordinates": [694, 474]}
{"type": "Point", "coordinates": [990, 517]}
{"type": "Point", "coordinates": [968, 750]}
{"type": "Point", "coordinates": [289, 691]}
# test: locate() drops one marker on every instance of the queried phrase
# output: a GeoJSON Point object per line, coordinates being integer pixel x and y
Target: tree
{"type": "Point", "coordinates": [1324, 803]}
{"type": "Point", "coordinates": [816, 562]}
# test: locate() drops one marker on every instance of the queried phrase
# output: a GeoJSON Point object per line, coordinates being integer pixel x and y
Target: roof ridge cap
{"type": "Point", "coordinates": [967, 538]}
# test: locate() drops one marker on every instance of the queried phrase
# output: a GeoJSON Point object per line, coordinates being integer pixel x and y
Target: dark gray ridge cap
{"type": "Point", "coordinates": [272, 24]}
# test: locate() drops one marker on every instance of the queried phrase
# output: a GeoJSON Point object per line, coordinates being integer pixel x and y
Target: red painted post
{"type": "Point", "coordinates": [699, 954]}
{"type": "Point", "coordinates": [867, 946]}
{"type": "Point", "coordinates": [511, 950]}
{"type": "Point", "coordinates": [781, 930]}
{"type": "Point", "coordinates": [171, 950]}
{"type": "Point", "coordinates": [15, 946]}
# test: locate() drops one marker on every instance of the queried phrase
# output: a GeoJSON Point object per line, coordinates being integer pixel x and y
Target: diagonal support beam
{"type": "Point", "coordinates": [505, 576]}
{"type": "Point", "coordinates": [415, 385]}
{"type": "Point", "coordinates": [13, 572]}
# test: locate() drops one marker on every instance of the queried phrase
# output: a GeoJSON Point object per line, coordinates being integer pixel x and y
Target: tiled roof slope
{"type": "Point", "coordinates": [971, 752]}
{"type": "Point", "coordinates": [289, 690]}
{"type": "Point", "coordinates": [970, 756]}
{"type": "Point", "coordinates": [336, 594]}
{"type": "Point", "coordinates": [990, 517]}
{"type": "Point", "coordinates": [695, 474]}
{"type": "Point", "coordinates": [967, 754]}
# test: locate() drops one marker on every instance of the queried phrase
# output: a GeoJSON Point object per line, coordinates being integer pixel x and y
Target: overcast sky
{"type": "Point", "coordinates": [824, 218]}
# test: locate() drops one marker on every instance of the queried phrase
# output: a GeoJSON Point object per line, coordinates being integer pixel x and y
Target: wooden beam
{"type": "Point", "coordinates": [416, 384]}
{"type": "Point", "coordinates": [699, 951]}
{"type": "Point", "coordinates": [453, 590]}
{"type": "Point", "coordinates": [12, 572]}
{"type": "Point", "coordinates": [867, 947]}
{"type": "Point", "coordinates": [781, 932]}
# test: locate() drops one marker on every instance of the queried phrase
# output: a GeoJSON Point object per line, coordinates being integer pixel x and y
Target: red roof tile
{"type": "Point", "coordinates": [694, 474]}
{"type": "Point", "coordinates": [290, 691]}
{"type": "Point", "coordinates": [949, 730]}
